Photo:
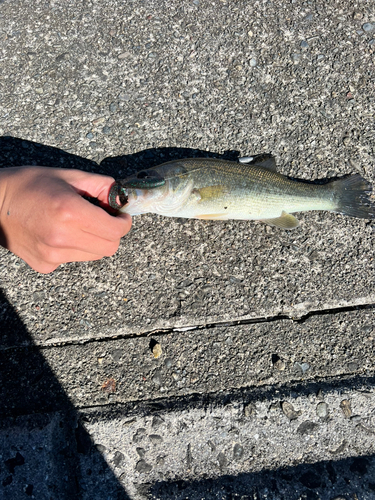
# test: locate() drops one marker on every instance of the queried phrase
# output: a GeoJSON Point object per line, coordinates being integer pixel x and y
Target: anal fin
{"type": "Point", "coordinates": [285, 221]}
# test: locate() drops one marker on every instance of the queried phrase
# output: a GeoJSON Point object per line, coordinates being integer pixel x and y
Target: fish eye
{"type": "Point", "coordinates": [142, 175]}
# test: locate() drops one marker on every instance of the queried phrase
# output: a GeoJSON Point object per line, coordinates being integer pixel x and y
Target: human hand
{"type": "Point", "coordinates": [45, 221]}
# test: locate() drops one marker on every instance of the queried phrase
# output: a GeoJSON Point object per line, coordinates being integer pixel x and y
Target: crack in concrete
{"type": "Point", "coordinates": [206, 326]}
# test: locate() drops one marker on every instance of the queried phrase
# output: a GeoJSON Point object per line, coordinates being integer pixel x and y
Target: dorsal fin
{"type": "Point", "coordinates": [264, 160]}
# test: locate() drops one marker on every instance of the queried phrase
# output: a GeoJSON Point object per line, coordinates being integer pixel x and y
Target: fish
{"type": "Point", "coordinates": [251, 189]}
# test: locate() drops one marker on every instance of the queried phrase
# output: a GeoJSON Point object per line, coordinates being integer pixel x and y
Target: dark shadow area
{"type": "Point", "coordinates": [15, 152]}
{"type": "Point", "coordinates": [245, 396]}
{"type": "Point", "coordinates": [31, 402]}
{"type": "Point", "coordinates": [342, 479]}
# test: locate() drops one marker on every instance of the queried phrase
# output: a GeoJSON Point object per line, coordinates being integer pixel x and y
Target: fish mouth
{"type": "Point", "coordinates": [119, 192]}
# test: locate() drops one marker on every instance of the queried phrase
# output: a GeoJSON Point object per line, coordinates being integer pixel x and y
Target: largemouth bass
{"type": "Point", "coordinates": [207, 188]}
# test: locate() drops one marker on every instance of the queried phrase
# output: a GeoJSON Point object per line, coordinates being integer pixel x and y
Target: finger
{"type": "Point", "coordinates": [83, 242]}
{"type": "Point", "coordinates": [88, 184]}
{"type": "Point", "coordinates": [93, 219]}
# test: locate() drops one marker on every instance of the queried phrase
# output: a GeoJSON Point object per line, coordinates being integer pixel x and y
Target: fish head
{"type": "Point", "coordinates": [143, 200]}
{"type": "Point", "coordinates": [162, 190]}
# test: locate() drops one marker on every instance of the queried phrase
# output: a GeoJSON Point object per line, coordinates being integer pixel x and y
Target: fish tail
{"type": "Point", "coordinates": [352, 195]}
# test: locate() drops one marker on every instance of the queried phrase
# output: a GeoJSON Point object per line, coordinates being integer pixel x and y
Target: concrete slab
{"type": "Point", "coordinates": [194, 362]}
{"type": "Point", "coordinates": [169, 275]}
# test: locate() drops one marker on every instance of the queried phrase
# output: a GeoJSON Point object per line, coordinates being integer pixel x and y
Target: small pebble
{"type": "Point", "coordinates": [280, 365]}
{"type": "Point", "coordinates": [301, 367]}
{"type": "Point", "coordinates": [168, 362]}
{"type": "Point", "coordinates": [307, 427]}
{"type": "Point", "coordinates": [289, 411]}
{"type": "Point", "coordinates": [109, 385]}
{"type": "Point", "coordinates": [253, 62]}
{"type": "Point", "coordinates": [156, 421]}
{"type": "Point", "coordinates": [237, 451]}
{"type": "Point", "coordinates": [112, 107]}
{"type": "Point", "coordinates": [139, 435]}
{"type": "Point", "coordinates": [322, 410]}
{"type": "Point", "coordinates": [155, 438]}
{"type": "Point", "coordinates": [296, 58]}
{"type": "Point", "coordinates": [157, 378]}
{"type": "Point", "coordinates": [157, 350]}
{"type": "Point", "coordinates": [222, 459]}
{"type": "Point", "coordinates": [118, 458]}
{"type": "Point", "coordinates": [320, 57]}
{"type": "Point", "coordinates": [99, 121]}
{"type": "Point", "coordinates": [249, 410]}
{"type": "Point", "coordinates": [353, 366]}
{"type": "Point", "coordinates": [372, 42]}
{"type": "Point", "coordinates": [368, 27]}
{"type": "Point", "coordinates": [143, 466]}
{"type": "Point", "coordinates": [346, 141]}
{"type": "Point", "coordinates": [345, 406]}
{"type": "Point", "coordinates": [304, 44]}
{"type": "Point", "coordinates": [106, 130]}
{"type": "Point", "coordinates": [90, 135]}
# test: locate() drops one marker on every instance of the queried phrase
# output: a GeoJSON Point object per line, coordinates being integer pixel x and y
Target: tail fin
{"type": "Point", "coordinates": [353, 197]}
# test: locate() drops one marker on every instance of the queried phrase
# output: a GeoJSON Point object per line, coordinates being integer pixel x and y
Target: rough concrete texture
{"type": "Point", "coordinates": [197, 332]}
{"type": "Point", "coordinates": [238, 439]}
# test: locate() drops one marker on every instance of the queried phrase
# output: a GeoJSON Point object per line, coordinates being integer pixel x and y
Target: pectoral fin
{"type": "Point", "coordinates": [285, 221]}
{"type": "Point", "coordinates": [210, 192]}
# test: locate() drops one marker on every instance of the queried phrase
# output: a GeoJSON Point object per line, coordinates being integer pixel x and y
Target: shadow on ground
{"type": "Point", "coordinates": [15, 152]}
{"type": "Point", "coordinates": [32, 403]}
{"type": "Point", "coordinates": [342, 480]}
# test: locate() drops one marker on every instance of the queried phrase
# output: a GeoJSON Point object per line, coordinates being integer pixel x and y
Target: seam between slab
{"type": "Point", "coordinates": [200, 326]}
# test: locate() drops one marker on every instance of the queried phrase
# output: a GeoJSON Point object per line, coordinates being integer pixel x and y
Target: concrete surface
{"type": "Point", "coordinates": [264, 386]}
